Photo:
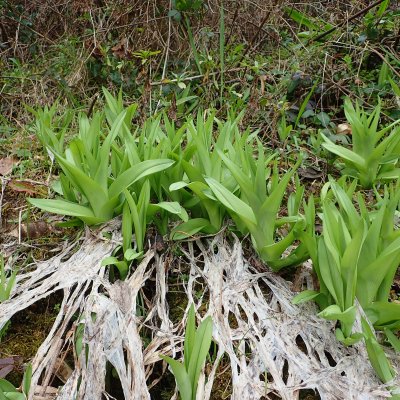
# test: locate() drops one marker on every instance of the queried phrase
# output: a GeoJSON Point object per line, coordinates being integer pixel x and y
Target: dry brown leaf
{"type": "Point", "coordinates": [33, 230]}
{"type": "Point", "coordinates": [310, 173]}
{"type": "Point", "coordinates": [7, 165]}
{"type": "Point", "coordinates": [63, 370]}
{"type": "Point", "coordinates": [8, 364]}
{"type": "Point", "coordinates": [263, 78]}
{"type": "Point", "coordinates": [343, 129]}
{"type": "Point", "coordinates": [120, 50]}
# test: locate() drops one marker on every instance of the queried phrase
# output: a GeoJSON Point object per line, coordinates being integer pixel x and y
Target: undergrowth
{"type": "Point", "coordinates": [278, 122]}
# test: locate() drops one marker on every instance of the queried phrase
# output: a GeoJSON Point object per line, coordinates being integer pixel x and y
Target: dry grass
{"type": "Point", "coordinates": [39, 34]}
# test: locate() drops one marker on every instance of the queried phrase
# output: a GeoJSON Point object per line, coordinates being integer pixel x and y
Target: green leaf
{"type": "Point", "coordinates": [329, 273]}
{"type": "Point", "coordinates": [349, 340]}
{"type": "Point", "coordinates": [324, 118]}
{"type": "Point", "coordinates": [185, 99]}
{"type": "Point", "coordinates": [175, 14]}
{"type": "Point", "coordinates": [65, 207]}
{"type": "Point", "coordinates": [101, 175]}
{"type": "Point", "coordinates": [273, 201]}
{"type": "Point", "coordinates": [190, 335]}
{"type": "Point", "coordinates": [79, 338]}
{"type": "Point", "coordinates": [301, 19]}
{"type": "Point", "coordinates": [395, 87]}
{"type": "Point", "coordinates": [132, 254]}
{"type": "Point", "coordinates": [190, 228]}
{"type": "Point", "coordinates": [246, 184]}
{"type": "Point", "coordinates": [139, 171]}
{"type": "Point", "coordinates": [345, 202]}
{"type": "Point", "coordinates": [393, 174]}
{"type": "Point", "coordinates": [346, 154]}
{"type": "Point", "coordinates": [173, 207]}
{"type": "Point", "coordinates": [138, 212]}
{"type": "Point", "coordinates": [96, 195]}
{"type": "Point", "coordinates": [127, 227]}
{"type": "Point", "coordinates": [26, 381]}
{"type": "Point", "coordinates": [178, 185]}
{"type": "Point", "coordinates": [346, 317]}
{"type": "Point", "coordinates": [306, 295]}
{"type": "Point", "coordinates": [383, 74]}
{"type": "Point", "coordinates": [232, 202]}
{"type": "Point", "coordinates": [376, 355]}
{"type": "Point", "coordinates": [182, 378]}
{"type": "Point", "coordinates": [207, 200]}
{"type": "Point", "coordinates": [393, 339]}
{"type": "Point", "coordinates": [372, 285]}
{"type": "Point", "coordinates": [302, 111]}
{"type": "Point", "coordinates": [382, 8]}
{"type": "Point", "coordinates": [6, 386]}
{"type": "Point", "coordinates": [121, 265]}
{"type": "Point", "coordinates": [383, 314]}
{"type": "Point", "coordinates": [349, 265]}
{"type": "Point", "coordinates": [15, 396]}
{"type": "Point", "coordinates": [112, 103]}
{"type": "Point", "coordinates": [202, 342]}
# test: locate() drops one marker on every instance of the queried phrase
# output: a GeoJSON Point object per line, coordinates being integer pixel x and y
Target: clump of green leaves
{"type": "Point", "coordinates": [89, 192]}
{"type": "Point", "coordinates": [375, 153]}
{"type": "Point", "coordinates": [256, 205]}
{"type": "Point", "coordinates": [51, 128]}
{"type": "Point", "coordinates": [200, 159]}
{"type": "Point", "coordinates": [137, 213]}
{"type": "Point", "coordinates": [356, 258]}
{"type": "Point", "coordinates": [108, 171]}
{"type": "Point", "coordinates": [207, 166]}
{"type": "Point", "coordinates": [196, 347]}
{"type": "Point", "coordinates": [183, 6]}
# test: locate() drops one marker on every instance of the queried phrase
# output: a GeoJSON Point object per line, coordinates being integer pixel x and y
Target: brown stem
{"type": "Point", "coordinates": [346, 21]}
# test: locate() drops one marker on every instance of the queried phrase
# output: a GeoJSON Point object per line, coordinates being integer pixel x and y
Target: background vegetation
{"type": "Point", "coordinates": [276, 118]}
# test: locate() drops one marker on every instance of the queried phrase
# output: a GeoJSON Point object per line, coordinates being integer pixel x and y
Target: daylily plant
{"type": "Point", "coordinates": [375, 153]}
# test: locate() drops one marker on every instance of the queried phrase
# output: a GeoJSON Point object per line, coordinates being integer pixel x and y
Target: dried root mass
{"type": "Point", "coordinates": [272, 346]}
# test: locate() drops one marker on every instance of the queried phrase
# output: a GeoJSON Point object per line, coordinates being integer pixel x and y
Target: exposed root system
{"type": "Point", "coordinates": [275, 349]}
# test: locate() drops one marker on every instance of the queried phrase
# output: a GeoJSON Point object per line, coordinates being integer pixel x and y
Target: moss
{"type": "Point", "coordinates": [27, 332]}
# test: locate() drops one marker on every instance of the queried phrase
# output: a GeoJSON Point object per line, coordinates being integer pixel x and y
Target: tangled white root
{"type": "Point", "coordinates": [273, 346]}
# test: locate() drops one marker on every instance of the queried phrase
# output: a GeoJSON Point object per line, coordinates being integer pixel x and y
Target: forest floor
{"type": "Point", "coordinates": [278, 73]}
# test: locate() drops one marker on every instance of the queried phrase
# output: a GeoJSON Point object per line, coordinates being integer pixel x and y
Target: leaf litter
{"type": "Point", "coordinates": [255, 326]}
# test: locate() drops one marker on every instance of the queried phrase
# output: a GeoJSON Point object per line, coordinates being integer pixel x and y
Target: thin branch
{"type": "Point", "coordinates": [253, 39]}
{"type": "Point", "coordinates": [345, 22]}
{"type": "Point", "coordinates": [382, 57]}
{"type": "Point", "coordinates": [228, 39]}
